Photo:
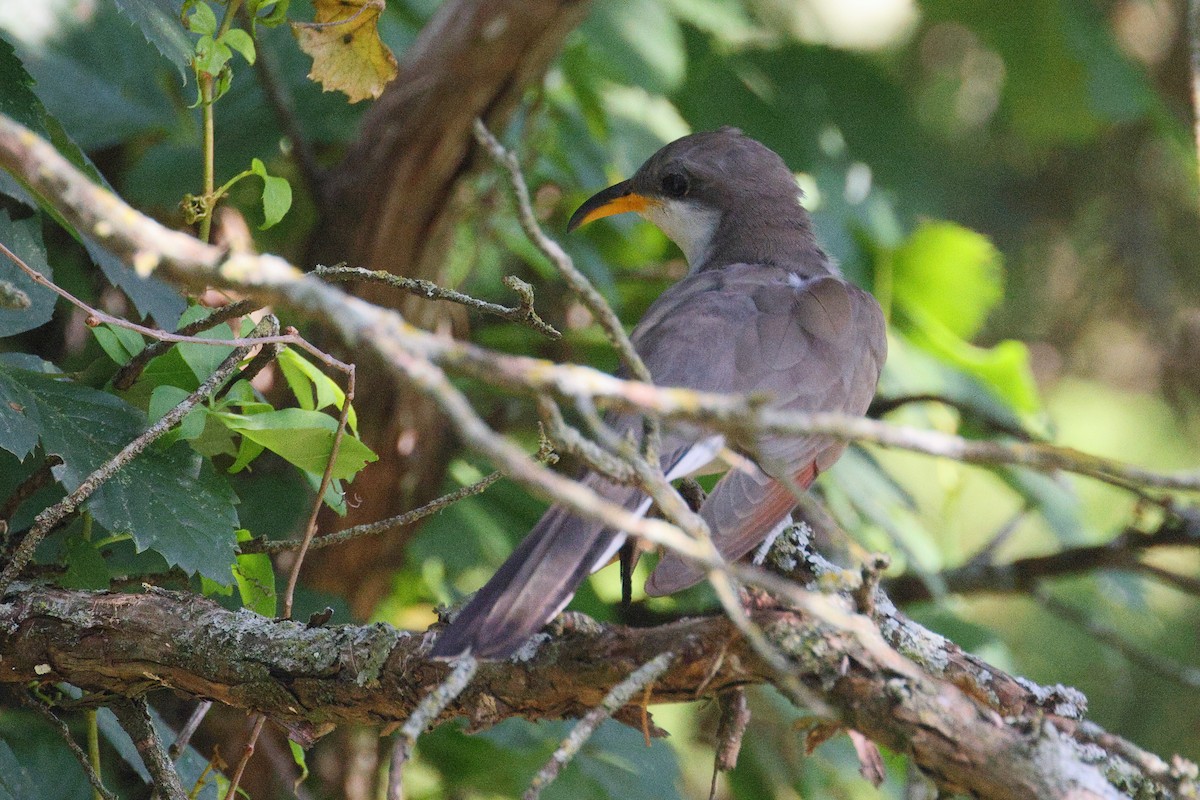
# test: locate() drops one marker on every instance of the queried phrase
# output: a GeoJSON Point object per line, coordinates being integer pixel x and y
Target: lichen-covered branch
{"type": "Point", "coordinates": [523, 313]}
{"type": "Point", "coordinates": [311, 679]}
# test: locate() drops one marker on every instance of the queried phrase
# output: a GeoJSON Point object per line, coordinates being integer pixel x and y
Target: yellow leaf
{"type": "Point", "coordinates": [348, 55]}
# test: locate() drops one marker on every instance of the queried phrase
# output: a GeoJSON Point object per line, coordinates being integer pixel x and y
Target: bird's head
{"type": "Point", "coordinates": [700, 184]}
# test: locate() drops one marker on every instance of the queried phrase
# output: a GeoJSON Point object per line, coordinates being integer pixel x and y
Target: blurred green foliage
{"type": "Point", "coordinates": [1015, 182]}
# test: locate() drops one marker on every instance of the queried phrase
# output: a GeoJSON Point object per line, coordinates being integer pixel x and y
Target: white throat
{"type": "Point", "coordinates": [689, 225]}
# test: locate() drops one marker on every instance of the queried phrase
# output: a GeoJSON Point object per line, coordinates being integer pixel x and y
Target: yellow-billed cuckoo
{"type": "Point", "coordinates": [762, 310]}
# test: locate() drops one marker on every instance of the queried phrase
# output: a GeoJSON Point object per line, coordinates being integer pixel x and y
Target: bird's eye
{"type": "Point", "coordinates": [674, 184]}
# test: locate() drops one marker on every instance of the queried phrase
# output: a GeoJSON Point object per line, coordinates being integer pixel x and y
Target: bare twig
{"type": "Point", "coordinates": [128, 374]}
{"type": "Point", "coordinates": [523, 314]}
{"type": "Point", "coordinates": [431, 705]}
{"type": "Point", "coordinates": [189, 729]}
{"type": "Point", "coordinates": [1162, 666]}
{"type": "Point", "coordinates": [49, 519]}
{"type": "Point", "coordinates": [986, 555]}
{"type": "Point", "coordinates": [1024, 574]}
{"type": "Point", "coordinates": [134, 716]}
{"type": "Point", "coordinates": [42, 476]}
{"type": "Point", "coordinates": [616, 698]}
{"type": "Point", "coordinates": [97, 317]}
{"type": "Point", "coordinates": [610, 323]}
{"type": "Point", "coordinates": [881, 406]}
{"type": "Point", "coordinates": [247, 754]}
{"type": "Point", "coordinates": [84, 760]}
{"type": "Point", "coordinates": [545, 455]}
{"type": "Point", "coordinates": [326, 478]}
{"type": "Point", "coordinates": [1184, 583]}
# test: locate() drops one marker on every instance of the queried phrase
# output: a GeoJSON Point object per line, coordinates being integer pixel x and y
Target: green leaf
{"type": "Point", "coordinates": [240, 41]}
{"type": "Point", "coordinates": [159, 23]}
{"type": "Point", "coordinates": [303, 438]}
{"type": "Point", "coordinates": [165, 398]}
{"type": "Point", "coordinates": [255, 579]}
{"type": "Point", "coordinates": [202, 20]}
{"type": "Point", "coordinates": [86, 568]}
{"type": "Point", "coordinates": [150, 295]}
{"type": "Point", "coordinates": [640, 43]}
{"type": "Point", "coordinates": [277, 15]}
{"type": "Point", "coordinates": [15, 783]}
{"type": "Point", "coordinates": [121, 344]}
{"type": "Point", "coordinates": [301, 762]}
{"type": "Point", "coordinates": [247, 451]}
{"type": "Point", "coordinates": [24, 238]}
{"type": "Point", "coordinates": [20, 422]}
{"type": "Point", "coordinates": [211, 55]}
{"type": "Point", "coordinates": [948, 273]}
{"type": "Point", "coordinates": [276, 196]}
{"type": "Point", "coordinates": [305, 377]}
{"type": "Point", "coordinates": [203, 359]}
{"type": "Point", "coordinates": [169, 500]}
{"type": "Point", "coordinates": [1005, 367]}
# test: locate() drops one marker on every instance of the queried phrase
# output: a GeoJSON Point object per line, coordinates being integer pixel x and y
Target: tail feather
{"type": "Point", "coordinates": [534, 584]}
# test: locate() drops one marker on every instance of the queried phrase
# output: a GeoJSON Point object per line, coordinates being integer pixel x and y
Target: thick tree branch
{"type": "Point", "coordinates": [311, 679]}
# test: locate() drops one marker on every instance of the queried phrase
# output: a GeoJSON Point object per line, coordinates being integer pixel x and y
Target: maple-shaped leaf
{"type": "Point", "coordinates": [348, 55]}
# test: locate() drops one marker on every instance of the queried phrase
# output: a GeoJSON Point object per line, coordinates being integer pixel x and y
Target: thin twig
{"type": "Point", "coordinates": [134, 716]}
{"type": "Point", "coordinates": [575, 443]}
{"type": "Point", "coordinates": [616, 698]}
{"type": "Point", "coordinates": [326, 478]}
{"type": "Point", "coordinates": [310, 531]}
{"type": "Point", "coordinates": [986, 555]}
{"type": "Point", "coordinates": [1194, 47]}
{"type": "Point", "coordinates": [265, 356]}
{"type": "Point", "coordinates": [77, 751]}
{"type": "Point", "coordinates": [422, 717]}
{"type": "Point", "coordinates": [1162, 666]}
{"type": "Point", "coordinates": [1024, 574]}
{"type": "Point", "coordinates": [189, 729]}
{"type": "Point", "coordinates": [522, 314]}
{"type": "Point", "coordinates": [50, 518]}
{"type": "Point", "coordinates": [881, 406]}
{"type": "Point", "coordinates": [98, 317]}
{"type": "Point", "coordinates": [1184, 583]}
{"type": "Point", "coordinates": [247, 753]}
{"type": "Point", "coordinates": [374, 528]}
{"type": "Point", "coordinates": [128, 374]}
{"type": "Point", "coordinates": [39, 478]}
{"type": "Point", "coordinates": [610, 323]}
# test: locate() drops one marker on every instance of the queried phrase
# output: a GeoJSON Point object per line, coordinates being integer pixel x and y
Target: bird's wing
{"type": "Point", "coordinates": [814, 344]}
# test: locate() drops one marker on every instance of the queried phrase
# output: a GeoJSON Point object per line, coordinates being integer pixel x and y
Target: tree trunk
{"type": "Point", "coordinates": [390, 205]}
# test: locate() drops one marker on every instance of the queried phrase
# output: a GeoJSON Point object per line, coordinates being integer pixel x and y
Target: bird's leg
{"type": "Point", "coordinates": [629, 557]}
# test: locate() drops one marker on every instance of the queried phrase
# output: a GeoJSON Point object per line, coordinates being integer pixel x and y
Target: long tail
{"type": "Point", "coordinates": [536, 581]}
